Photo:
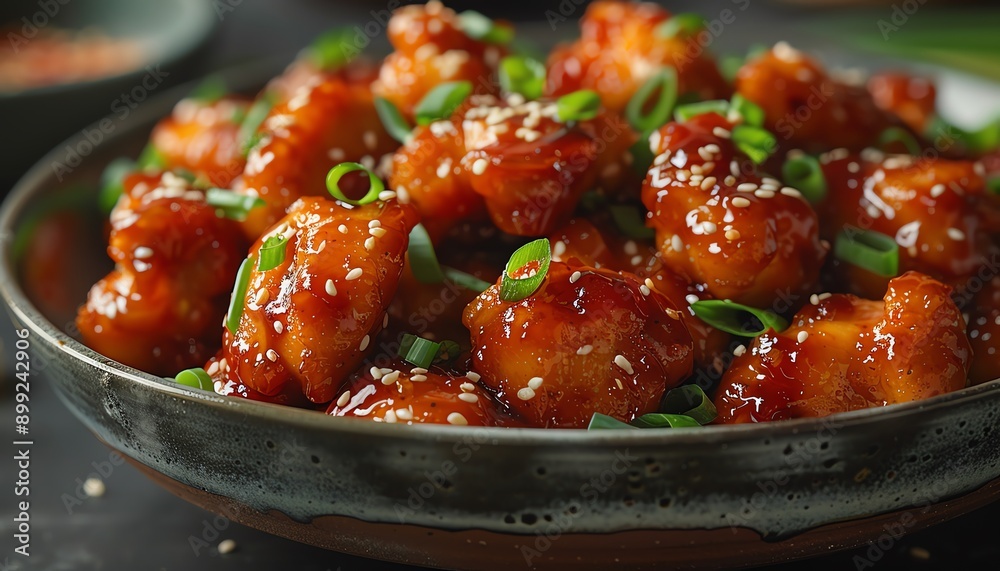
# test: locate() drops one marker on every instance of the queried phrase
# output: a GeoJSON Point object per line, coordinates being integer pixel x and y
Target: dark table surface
{"type": "Point", "coordinates": [137, 525]}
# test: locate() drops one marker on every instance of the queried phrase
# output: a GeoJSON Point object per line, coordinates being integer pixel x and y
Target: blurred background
{"type": "Point", "coordinates": [65, 64]}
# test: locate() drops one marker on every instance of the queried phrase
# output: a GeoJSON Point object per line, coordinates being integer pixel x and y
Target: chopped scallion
{"type": "Point", "coordinates": [336, 173]}
{"type": "Point", "coordinates": [737, 319]}
{"type": "Point", "coordinates": [531, 263]}
{"type": "Point", "coordinates": [690, 401]}
{"type": "Point", "coordinates": [580, 105]}
{"type": "Point", "coordinates": [660, 420]}
{"type": "Point", "coordinates": [899, 135]}
{"type": "Point", "coordinates": [196, 378]}
{"type": "Point", "coordinates": [806, 174]}
{"type": "Point", "coordinates": [522, 74]}
{"type": "Point", "coordinates": [272, 252]}
{"type": "Point", "coordinates": [418, 351]}
{"type": "Point", "coordinates": [683, 25]}
{"type": "Point", "coordinates": [395, 124]}
{"type": "Point", "coordinates": [604, 422]}
{"type": "Point", "coordinates": [750, 112]}
{"type": "Point", "coordinates": [112, 182]}
{"type": "Point", "coordinates": [232, 205]}
{"type": "Point", "coordinates": [253, 119]}
{"type": "Point", "coordinates": [686, 112]}
{"type": "Point", "coordinates": [334, 49]}
{"type": "Point", "coordinates": [482, 28]}
{"type": "Point", "coordinates": [868, 249]}
{"type": "Point", "coordinates": [645, 112]}
{"type": "Point", "coordinates": [756, 143]}
{"type": "Point", "coordinates": [442, 101]}
{"type": "Point", "coordinates": [238, 298]}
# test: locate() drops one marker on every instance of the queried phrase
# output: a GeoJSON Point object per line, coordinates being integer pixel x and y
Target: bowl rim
{"type": "Point", "coordinates": [204, 25]}
{"type": "Point", "coordinates": [38, 178]}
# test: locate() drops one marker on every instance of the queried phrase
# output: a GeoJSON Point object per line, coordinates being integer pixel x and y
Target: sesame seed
{"type": "Point", "coordinates": [369, 243]}
{"type": "Point", "coordinates": [789, 191]}
{"type": "Point", "coordinates": [342, 228]}
{"type": "Point", "coordinates": [390, 416]}
{"type": "Point", "coordinates": [262, 296]}
{"type": "Point", "coordinates": [467, 387]}
{"type": "Point", "coordinates": [94, 487]}
{"type": "Point", "coordinates": [740, 202]}
{"type": "Point", "coordinates": [746, 187]}
{"type": "Point", "coordinates": [937, 190]}
{"type": "Point", "coordinates": [739, 350]}
{"type": "Point", "coordinates": [418, 378]}
{"type": "Point", "coordinates": [761, 193]}
{"type": "Point", "coordinates": [418, 370]}
{"type": "Point", "coordinates": [585, 350]}
{"type": "Point", "coordinates": [468, 397]}
{"type": "Point", "coordinates": [676, 243]}
{"type": "Point", "coordinates": [272, 355]}
{"type": "Point", "coordinates": [354, 274]}
{"type": "Point", "coordinates": [526, 393]}
{"type": "Point", "coordinates": [226, 546]}
{"type": "Point", "coordinates": [802, 336]}
{"type": "Point", "coordinates": [732, 235]}
{"type": "Point", "coordinates": [404, 414]}
{"type": "Point", "coordinates": [279, 327]}
{"type": "Point", "coordinates": [622, 362]}
{"type": "Point", "coordinates": [713, 148]}
{"type": "Point", "coordinates": [721, 133]}
{"type": "Point", "coordinates": [213, 369]}
{"type": "Point", "coordinates": [730, 180]}
{"type": "Point", "coordinates": [385, 321]}
{"type": "Point", "coordinates": [714, 248]}
{"type": "Point", "coordinates": [479, 166]}
{"type": "Point", "coordinates": [636, 260]}
{"type": "Point", "coordinates": [620, 385]}
{"type": "Point", "coordinates": [390, 378]}
{"type": "Point", "coordinates": [386, 195]}
{"type": "Point", "coordinates": [574, 276]}
{"type": "Point", "coordinates": [142, 252]}
{"type": "Point", "coordinates": [956, 234]}
{"type": "Point", "coordinates": [374, 223]}
{"type": "Point", "coordinates": [691, 298]}
{"type": "Point", "coordinates": [644, 290]}
{"type": "Point", "coordinates": [823, 296]}
{"type": "Point", "coordinates": [705, 153]}
{"type": "Point", "coordinates": [814, 299]}
{"type": "Point", "coordinates": [331, 288]}
{"type": "Point", "coordinates": [376, 373]}
{"type": "Point", "coordinates": [364, 343]}
{"type": "Point", "coordinates": [709, 227]}
{"type": "Point", "coordinates": [457, 419]}
{"type": "Point", "coordinates": [535, 383]}
{"type": "Point", "coordinates": [377, 232]}
{"type": "Point", "coordinates": [708, 183]}
{"type": "Point", "coordinates": [344, 399]}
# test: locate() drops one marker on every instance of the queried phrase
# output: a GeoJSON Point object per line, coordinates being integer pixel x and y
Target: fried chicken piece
{"type": "Point", "coordinates": [912, 98]}
{"type": "Point", "coordinates": [203, 137]}
{"type": "Point", "coordinates": [844, 353]}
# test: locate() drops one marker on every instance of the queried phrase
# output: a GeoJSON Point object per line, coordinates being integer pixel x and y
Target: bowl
{"type": "Point", "coordinates": [487, 498]}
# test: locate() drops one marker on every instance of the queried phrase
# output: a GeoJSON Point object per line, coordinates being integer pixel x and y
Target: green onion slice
{"type": "Point", "coordinates": [978, 141]}
{"type": "Point", "coordinates": [468, 281]}
{"type": "Point", "coordinates": [806, 174]}
{"type": "Point", "coordinates": [423, 260]}
{"type": "Point", "coordinates": [333, 49]}
{"type": "Point", "coordinates": [418, 351]}
{"type": "Point", "coordinates": [686, 112]}
{"type": "Point", "coordinates": [232, 205]}
{"type": "Point", "coordinates": [750, 112]}
{"type": "Point", "coordinates": [580, 105]}
{"type": "Point", "coordinates": [681, 25]}
{"type": "Point", "coordinates": [604, 422]}
{"type": "Point", "coordinates": [442, 101]}
{"type": "Point", "coordinates": [730, 67]}
{"type": "Point", "coordinates": [112, 182]}
{"type": "Point", "coordinates": [660, 420]}
{"type": "Point", "coordinates": [993, 185]}
{"type": "Point", "coordinates": [737, 319]}
{"type": "Point", "coordinates": [395, 124]}
{"type": "Point", "coordinates": [336, 173]}
{"type": "Point", "coordinates": [522, 74]}
{"type": "Point", "coordinates": [630, 223]}
{"type": "Point", "coordinates": [151, 159]}
{"type": "Point", "coordinates": [868, 249]}
{"type": "Point", "coordinates": [238, 298]}
{"type": "Point", "coordinates": [253, 119]}
{"type": "Point", "coordinates": [212, 89]}
{"type": "Point", "coordinates": [663, 85]}
{"type": "Point", "coordinates": [196, 378]}
{"type": "Point", "coordinates": [899, 135]}
{"type": "Point", "coordinates": [690, 401]}
{"type": "Point", "coordinates": [484, 29]}
{"type": "Point", "coordinates": [642, 156]}
{"type": "Point", "coordinates": [533, 258]}
{"type": "Point", "coordinates": [272, 253]}
{"type": "Point", "coordinates": [756, 143]}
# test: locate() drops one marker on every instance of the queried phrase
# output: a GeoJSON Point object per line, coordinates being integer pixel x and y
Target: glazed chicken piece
{"type": "Point", "coordinates": [721, 225]}
{"type": "Point", "coordinates": [310, 321]}
{"type": "Point", "coordinates": [843, 353]}
{"type": "Point", "coordinates": [203, 137]}
{"type": "Point", "coordinates": [582, 243]}
{"type": "Point", "coordinates": [407, 394]}
{"type": "Point", "coordinates": [938, 211]}
{"type": "Point", "coordinates": [529, 167]}
{"type": "Point", "coordinates": [620, 48]}
{"type": "Point", "coordinates": [912, 98]}
{"type": "Point", "coordinates": [586, 341]}
{"type": "Point", "coordinates": [431, 49]}
{"type": "Point", "coordinates": [175, 261]}
{"type": "Point", "coordinates": [807, 108]}
{"type": "Point", "coordinates": [329, 119]}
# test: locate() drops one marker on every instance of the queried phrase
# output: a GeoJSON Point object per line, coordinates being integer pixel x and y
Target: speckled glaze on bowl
{"type": "Point", "coordinates": [482, 498]}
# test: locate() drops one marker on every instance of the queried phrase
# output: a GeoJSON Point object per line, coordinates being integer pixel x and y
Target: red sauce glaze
{"type": "Point", "coordinates": [407, 394]}
{"type": "Point", "coordinates": [938, 211]}
{"type": "Point", "coordinates": [175, 261]}
{"type": "Point", "coordinates": [912, 98]}
{"type": "Point", "coordinates": [808, 109]}
{"type": "Point", "coordinates": [847, 354]}
{"type": "Point", "coordinates": [722, 225]}
{"type": "Point", "coordinates": [581, 243]}
{"type": "Point", "coordinates": [431, 49]}
{"type": "Point", "coordinates": [203, 137]}
{"type": "Point", "coordinates": [329, 118]}
{"type": "Point", "coordinates": [528, 167]}
{"type": "Point", "coordinates": [619, 50]}
{"type": "Point", "coordinates": [325, 332]}
{"type": "Point", "coordinates": [596, 344]}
